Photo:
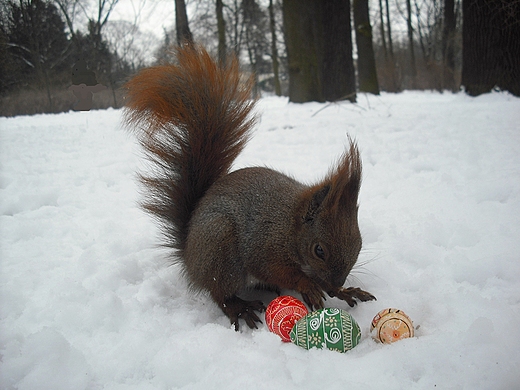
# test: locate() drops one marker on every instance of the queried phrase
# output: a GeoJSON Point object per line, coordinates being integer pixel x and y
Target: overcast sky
{"type": "Point", "coordinates": [153, 15]}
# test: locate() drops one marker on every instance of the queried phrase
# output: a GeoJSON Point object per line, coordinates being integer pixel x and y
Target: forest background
{"type": "Point", "coordinates": [309, 50]}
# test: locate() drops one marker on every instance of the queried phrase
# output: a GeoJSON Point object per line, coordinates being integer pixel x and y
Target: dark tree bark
{"type": "Point", "coordinates": [448, 50]}
{"type": "Point", "coordinates": [339, 77]}
{"type": "Point", "coordinates": [255, 25]}
{"type": "Point", "coordinates": [382, 28]}
{"type": "Point", "coordinates": [274, 51]}
{"type": "Point", "coordinates": [395, 87]}
{"type": "Point", "coordinates": [221, 29]}
{"type": "Point", "coordinates": [389, 28]}
{"type": "Point", "coordinates": [319, 50]}
{"type": "Point", "coordinates": [491, 46]}
{"type": "Point", "coordinates": [302, 53]}
{"type": "Point", "coordinates": [181, 23]}
{"type": "Point", "coordinates": [367, 74]}
{"type": "Point", "coordinates": [413, 68]}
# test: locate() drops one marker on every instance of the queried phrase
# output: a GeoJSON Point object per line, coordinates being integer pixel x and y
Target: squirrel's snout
{"type": "Point", "coordinates": [337, 281]}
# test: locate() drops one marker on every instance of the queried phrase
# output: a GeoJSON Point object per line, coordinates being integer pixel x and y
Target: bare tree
{"type": "Point", "coordinates": [274, 50]}
{"type": "Point", "coordinates": [491, 39]}
{"type": "Point", "coordinates": [448, 51]}
{"type": "Point", "coordinates": [128, 44]}
{"type": "Point", "coordinates": [181, 23]}
{"type": "Point", "coordinates": [319, 50]}
{"type": "Point", "coordinates": [413, 67]}
{"type": "Point", "coordinates": [428, 21]}
{"type": "Point", "coordinates": [367, 75]}
{"type": "Point", "coordinates": [256, 41]}
{"type": "Point", "coordinates": [238, 26]}
{"type": "Point", "coordinates": [69, 9]}
{"type": "Point", "coordinates": [105, 8]}
{"type": "Point", "coordinates": [221, 28]}
{"type": "Point", "coordinates": [394, 84]}
{"type": "Point", "coordinates": [97, 19]}
{"type": "Point", "coordinates": [389, 28]}
{"type": "Point", "coordinates": [382, 28]}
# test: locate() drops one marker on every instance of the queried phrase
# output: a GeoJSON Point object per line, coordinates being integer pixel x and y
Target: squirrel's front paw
{"type": "Point", "coordinates": [350, 295]}
{"type": "Point", "coordinates": [312, 294]}
{"type": "Point", "coordinates": [236, 308]}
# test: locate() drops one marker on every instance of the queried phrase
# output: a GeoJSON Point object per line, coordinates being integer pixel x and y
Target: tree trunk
{"type": "Point", "coordinates": [448, 50]}
{"type": "Point", "coordinates": [250, 22]}
{"type": "Point", "coordinates": [339, 75]}
{"type": "Point", "coordinates": [389, 27]}
{"type": "Point", "coordinates": [395, 87]}
{"type": "Point", "coordinates": [413, 69]}
{"type": "Point", "coordinates": [29, 15]}
{"type": "Point", "coordinates": [221, 28]}
{"type": "Point", "coordinates": [367, 74]}
{"type": "Point", "coordinates": [302, 54]}
{"type": "Point", "coordinates": [274, 51]}
{"type": "Point", "coordinates": [238, 29]}
{"type": "Point", "coordinates": [382, 28]}
{"type": "Point", "coordinates": [491, 42]}
{"type": "Point", "coordinates": [319, 50]}
{"type": "Point", "coordinates": [181, 23]}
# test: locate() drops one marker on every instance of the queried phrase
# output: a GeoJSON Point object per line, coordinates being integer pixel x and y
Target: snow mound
{"type": "Point", "coordinates": [87, 301]}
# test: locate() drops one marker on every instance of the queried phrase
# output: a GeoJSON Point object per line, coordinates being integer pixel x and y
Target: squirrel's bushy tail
{"type": "Point", "coordinates": [192, 118]}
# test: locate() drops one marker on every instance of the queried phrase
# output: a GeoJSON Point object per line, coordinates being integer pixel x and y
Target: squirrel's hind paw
{"type": "Point", "coordinates": [236, 308]}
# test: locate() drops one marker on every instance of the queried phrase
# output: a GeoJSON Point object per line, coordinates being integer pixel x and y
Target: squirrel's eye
{"type": "Point", "coordinates": [318, 250]}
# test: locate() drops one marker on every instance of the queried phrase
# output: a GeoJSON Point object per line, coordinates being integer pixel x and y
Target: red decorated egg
{"type": "Point", "coordinates": [282, 313]}
{"type": "Point", "coordinates": [391, 325]}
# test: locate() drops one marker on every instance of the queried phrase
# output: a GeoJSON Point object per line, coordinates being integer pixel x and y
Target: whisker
{"type": "Point", "coordinates": [360, 268]}
{"type": "Point", "coordinates": [355, 279]}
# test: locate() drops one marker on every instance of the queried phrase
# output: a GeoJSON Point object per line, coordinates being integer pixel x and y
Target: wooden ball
{"type": "Point", "coordinates": [282, 313]}
{"type": "Point", "coordinates": [391, 325]}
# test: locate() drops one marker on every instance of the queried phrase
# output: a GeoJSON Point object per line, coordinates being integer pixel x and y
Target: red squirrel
{"type": "Point", "coordinates": [253, 227]}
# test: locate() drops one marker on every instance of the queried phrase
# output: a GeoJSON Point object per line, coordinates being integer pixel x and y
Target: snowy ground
{"type": "Point", "coordinates": [89, 302]}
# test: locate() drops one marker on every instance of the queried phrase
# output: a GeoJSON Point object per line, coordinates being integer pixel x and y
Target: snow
{"type": "Point", "coordinates": [88, 301]}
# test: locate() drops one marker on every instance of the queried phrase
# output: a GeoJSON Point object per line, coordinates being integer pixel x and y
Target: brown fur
{"type": "Point", "coordinates": [254, 226]}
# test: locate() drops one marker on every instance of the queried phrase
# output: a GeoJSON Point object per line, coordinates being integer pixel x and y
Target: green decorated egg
{"type": "Point", "coordinates": [330, 328]}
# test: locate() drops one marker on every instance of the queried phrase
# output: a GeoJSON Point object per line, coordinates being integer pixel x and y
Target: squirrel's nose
{"type": "Point", "coordinates": [338, 280]}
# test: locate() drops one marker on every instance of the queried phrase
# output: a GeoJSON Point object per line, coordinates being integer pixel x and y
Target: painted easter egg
{"type": "Point", "coordinates": [330, 328]}
{"type": "Point", "coordinates": [282, 313]}
{"type": "Point", "coordinates": [391, 325]}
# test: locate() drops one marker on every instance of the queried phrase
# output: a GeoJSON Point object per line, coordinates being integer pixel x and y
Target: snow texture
{"type": "Point", "coordinates": [89, 301]}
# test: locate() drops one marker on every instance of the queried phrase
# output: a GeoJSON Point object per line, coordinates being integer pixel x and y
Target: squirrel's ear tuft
{"type": "Point", "coordinates": [345, 180]}
{"type": "Point", "coordinates": [318, 197]}
{"type": "Point", "coordinates": [338, 192]}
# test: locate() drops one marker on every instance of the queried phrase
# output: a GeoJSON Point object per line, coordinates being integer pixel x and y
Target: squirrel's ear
{"type": "Point", "coordinates": [345, 180]}
{"type": "Point", "coordinates": [316, 201]}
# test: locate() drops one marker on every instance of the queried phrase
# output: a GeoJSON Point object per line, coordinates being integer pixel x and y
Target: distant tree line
{"type": "Point", "coordinates": [305, 49]}
{"type": "Point", "coordinates": [39, 45]}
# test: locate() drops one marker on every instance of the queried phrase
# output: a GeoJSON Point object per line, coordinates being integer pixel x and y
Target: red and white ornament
{"type": "Point", "coordinates": [282, 313]}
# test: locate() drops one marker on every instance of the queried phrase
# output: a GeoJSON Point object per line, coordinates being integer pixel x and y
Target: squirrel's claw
{"type": "Point", "coordinates": [350, 295]}
{"type": "Point", "coordinates": [236, 308]}
{"type": "Point", "coordinates": [251, 319]}
{"type": "Point", "coordinates": [313, 303]}
{"type": "Point", "coordinates": [314, 296]}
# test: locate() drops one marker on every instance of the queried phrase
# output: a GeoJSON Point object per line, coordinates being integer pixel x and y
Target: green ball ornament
{"type": "Point", "coordinates": [330, 328]}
